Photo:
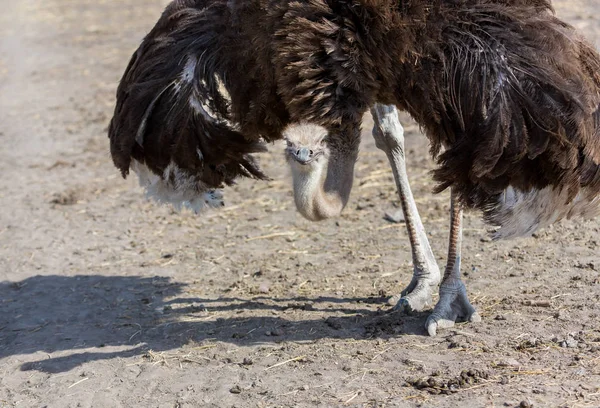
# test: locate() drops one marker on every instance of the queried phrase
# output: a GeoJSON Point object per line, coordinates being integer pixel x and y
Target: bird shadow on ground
{"type": "Point", "coordinates": [91, 316]}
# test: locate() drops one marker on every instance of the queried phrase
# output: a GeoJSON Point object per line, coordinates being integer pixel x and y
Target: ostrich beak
{"type": "Point", "coordinates": [303, 155]}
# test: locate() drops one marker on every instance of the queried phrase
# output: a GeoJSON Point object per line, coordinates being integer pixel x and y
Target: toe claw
{"type": "Point", "coordinates": [394, 300]}
{"type": "Point", "coordinates": [435, 322]}
{"type": "Point", "coordinates": [403, 305]}
{"type": "Point", "coordinates": [431, 326]}
{"type": "Point", "coordinates": [475, 318]}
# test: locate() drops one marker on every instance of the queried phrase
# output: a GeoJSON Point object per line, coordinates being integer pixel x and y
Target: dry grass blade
{"type": "Point", "coordinates": [473, 387]}
{"type": "Point", "coordinates": [208, 346]}
{"type": "Point", "coordinates": [274, 235]}
{"type": "Point", "coordinates": [356, 394]}
{"type": "Point", "coordinates": [531, 372]}
{"type": "Point", "coordinates": [390, 226]}
{"type": "Point", "coordinates": [78, 382]}
{"type": "Point", "coordinates": [286, 361]}
{"type": "Point", "coordinates": [537, 303]}
{"type": "Point", "coordinates": [380, 353]}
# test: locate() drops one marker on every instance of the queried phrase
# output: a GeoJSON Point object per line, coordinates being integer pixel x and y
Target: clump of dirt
{"type": "Point", "coordinates": [68, 197]}
{"type": "Point", "coordinates": [435, 384]}
{"type": "Point", "coordinates": [384, 324]}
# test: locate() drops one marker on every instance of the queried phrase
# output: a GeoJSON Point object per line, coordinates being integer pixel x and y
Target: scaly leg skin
{"type": "Point", "coordinates": [389, 137]}
{"type": "Point", "coordinates": [454, 304]}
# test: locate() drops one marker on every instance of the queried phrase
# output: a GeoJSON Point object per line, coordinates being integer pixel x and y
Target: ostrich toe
{"type": "Point", "coordinates": [417, 296]}
{"type": "Point", "coordinates": [452, 307]}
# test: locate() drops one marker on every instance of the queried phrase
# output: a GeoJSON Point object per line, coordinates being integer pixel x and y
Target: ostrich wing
{"type": "Point", "coordinates": [173, 103]}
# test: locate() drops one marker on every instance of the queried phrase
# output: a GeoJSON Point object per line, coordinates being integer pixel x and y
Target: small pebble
{"type": "Point", "coordinates": [561, 315]}
{"type": "Point", "coordinates": [509, 362]}
{"type": "Point", "coordinates": [197, 307]}
{"type": "Point", "coordinates": [235, 389]}
{"type": "Point", "coordinates": [569, 342]}
{"type": "Point", "coordinates": [396, 216]}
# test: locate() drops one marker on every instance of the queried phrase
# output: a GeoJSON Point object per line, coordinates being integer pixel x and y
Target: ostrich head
{"type": "Point", "coordinates": [322, 165]}
{"type": "Point", "coordinates": [306, 147]}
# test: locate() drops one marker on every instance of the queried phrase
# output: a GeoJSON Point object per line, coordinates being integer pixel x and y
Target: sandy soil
{"type": "Point", "coordinates": [107, 300]}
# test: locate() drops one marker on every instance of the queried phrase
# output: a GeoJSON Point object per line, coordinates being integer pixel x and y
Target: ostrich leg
{"type": "Point", "coordinates": [389, 137]}
{"type": "Point", "coordinates": [454, 303]}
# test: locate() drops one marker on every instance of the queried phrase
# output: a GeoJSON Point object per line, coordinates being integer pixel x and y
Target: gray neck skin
{"type": "Point", "coordinates": [322, 189]}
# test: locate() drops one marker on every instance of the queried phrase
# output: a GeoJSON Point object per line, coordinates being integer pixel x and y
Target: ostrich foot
{"type": "Point", "coordinates": [417, 296]}
{"type": "Point", "coordinates": [453, 306]}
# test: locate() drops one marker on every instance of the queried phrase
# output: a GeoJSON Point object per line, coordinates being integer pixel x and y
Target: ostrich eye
{"type": "Point", "coordinates": [289, 144]}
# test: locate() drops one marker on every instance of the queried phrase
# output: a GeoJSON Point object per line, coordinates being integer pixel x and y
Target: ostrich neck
{"type": "Point", "coordinates": [323, 191]}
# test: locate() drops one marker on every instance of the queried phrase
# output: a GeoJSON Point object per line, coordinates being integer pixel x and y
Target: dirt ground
{"type": "Point", "coordinates": [107, 300]}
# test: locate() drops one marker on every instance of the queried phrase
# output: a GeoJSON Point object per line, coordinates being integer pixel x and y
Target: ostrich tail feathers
{"type": "Point", "coordinates": [518, 214]}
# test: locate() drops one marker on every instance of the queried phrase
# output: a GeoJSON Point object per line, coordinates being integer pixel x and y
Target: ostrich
{"type": "Point", "coordinates": [507, 90]}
